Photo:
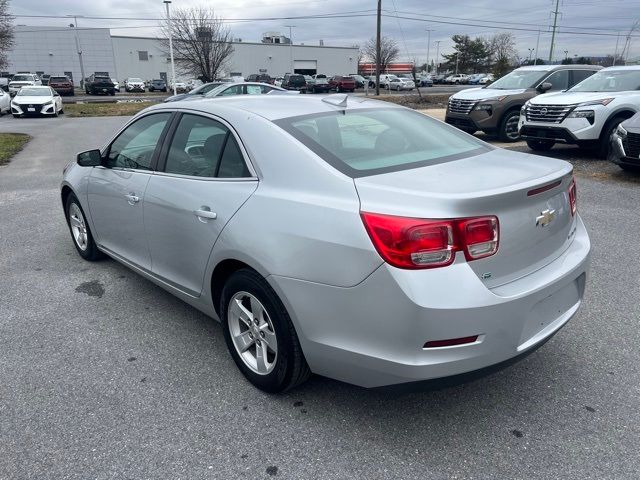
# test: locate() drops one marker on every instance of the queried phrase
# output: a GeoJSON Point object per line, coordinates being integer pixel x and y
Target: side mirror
{"type": "Point", "coordinates": [543, 87]}
{"type": "Point", "coordinates": [90, 158]}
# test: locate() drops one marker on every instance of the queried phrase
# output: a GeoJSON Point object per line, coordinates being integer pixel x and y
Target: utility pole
{"type": "Point", "coordinates": [428, 47]}
{"type": "Point", "coordinates": [290, 46]}
{"type": "Point", "coordinates": [378, 30]}
{"type": "Point", "coordinates": [535, 60]}
{"type": "Point", "coordinates": [437, 55]}
{"type": "Point", "coordinates": [555, 25]}
{"type": "Point", "coordinates": [566, 55]}
{"type": "Point", "coordinates": [78, 48]}
{"type": "Point", "coordinates": [173, 65]}
{"type": "Point", "coordinates": [615, 55]}
{"type": "Point", "coordinates": [530, 53]}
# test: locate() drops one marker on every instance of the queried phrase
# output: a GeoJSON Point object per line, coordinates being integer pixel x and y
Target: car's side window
{"type": "Point", "coordinates": [202, 147]}
{"type": "Point", "coordinates": [580, 75]}
{"type": "Point", "coordinates": [135, 146]}
{"type": "Point", "coordinates": [234, 90]}
{"type": "Point", "coordinates": [559, 80]}
{"type": "Point", "coordinates": [254, 90]}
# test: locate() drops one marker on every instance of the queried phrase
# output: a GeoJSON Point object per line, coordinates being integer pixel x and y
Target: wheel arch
{"type": "Point", "coordinates": [221, 273]}
{"type": "Point", "coordinates": [64, 194]}
{"type": "Point", "coordinates": [625, 113]}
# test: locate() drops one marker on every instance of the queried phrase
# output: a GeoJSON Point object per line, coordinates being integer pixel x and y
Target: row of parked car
{"type": "Point", "coordinates": [584, 105]}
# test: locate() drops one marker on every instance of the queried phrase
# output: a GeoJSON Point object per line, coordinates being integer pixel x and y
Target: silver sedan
{"type": "Point", "coordinates": [346, 237]}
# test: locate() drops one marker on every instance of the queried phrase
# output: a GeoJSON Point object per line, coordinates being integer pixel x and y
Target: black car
{"type": "Point", "coordinates": [201, 90]}
{"type": "Point", "coordinates": [158, 85]}
{"type": "Point", "coordinates": [294, 81]}
{"type": "Point", "coordinates": [96, 84]}
{"type": "Point", "coordinates": [625, 145]}
{"type": "Point", "coordinates": [45, 79]}
{"type": "Point", "coordinates": [260, 78]}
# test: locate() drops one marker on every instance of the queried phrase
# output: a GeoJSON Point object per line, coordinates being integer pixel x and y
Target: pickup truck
{"type": "Point", "coordinates": [96, 84]}
{"type": "Point", "coordinates": [318, 83]}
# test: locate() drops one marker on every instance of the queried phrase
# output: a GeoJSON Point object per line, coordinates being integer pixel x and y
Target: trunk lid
{"type": "Point", "coordinates": [494, 183]}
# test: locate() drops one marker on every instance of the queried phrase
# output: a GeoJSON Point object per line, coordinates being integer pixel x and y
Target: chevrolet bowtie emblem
{"type": "Point", "coordinates": [545, 218]}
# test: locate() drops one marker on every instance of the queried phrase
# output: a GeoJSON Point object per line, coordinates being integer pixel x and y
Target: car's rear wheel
{"type": "Point", "coordinates": [604, 145]}
{"type": "Point", "coordinates": [80, 231]}
{"type": "Point", "coordinates": [508, 131]}
{"type": "Point", "coordinates": [540, 145]}
{"type": "Point", "coordinates": [260, 335]}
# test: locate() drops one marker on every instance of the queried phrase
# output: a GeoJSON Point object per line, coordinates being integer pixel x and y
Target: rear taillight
{"type": "Point", "coordinates": [573, 197]}
{"type": "Point", "coordinates": [414, 243]}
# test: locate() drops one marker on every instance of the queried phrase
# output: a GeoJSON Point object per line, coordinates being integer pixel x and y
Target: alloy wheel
{"type": "Point", "coordinates": [252, 333]}
{"type": "Point", "coordinates": [78, 227]}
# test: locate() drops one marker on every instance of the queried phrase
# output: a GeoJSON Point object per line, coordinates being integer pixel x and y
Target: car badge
{"type": "Point", "coordinates": [545, 218]}
{"type": "Point", "coordinates": [543, 111]}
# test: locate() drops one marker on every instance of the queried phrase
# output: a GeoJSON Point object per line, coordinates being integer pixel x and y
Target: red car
{"type": "Point", "coordinates": [61, 84]}
{"type": "Point", "coordinates": [342, 84]}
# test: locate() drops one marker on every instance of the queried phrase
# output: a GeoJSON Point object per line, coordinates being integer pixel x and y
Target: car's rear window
{"type": "Point", "coordinates": [58, 79]}
{"type": "Point", "coordinates": [372, 141]}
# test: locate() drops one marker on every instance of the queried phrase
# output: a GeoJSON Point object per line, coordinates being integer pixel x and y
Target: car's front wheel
{"type": "Point", "coordinates": [508, 131]}
{"type": "Point", "coordinates": [80, 231]}
{"type": "Point", "coordinates": [260, 335]}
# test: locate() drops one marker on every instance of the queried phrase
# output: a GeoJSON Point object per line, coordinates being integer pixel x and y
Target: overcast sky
{"type": "Point", "coordinates": [591, 16]}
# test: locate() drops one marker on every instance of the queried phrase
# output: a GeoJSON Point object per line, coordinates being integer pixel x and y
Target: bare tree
{"type": "Point", "coordinates": [6, 33]}
{"type": "Point", "coordinates": [389, 51]}
{"type": "Point", "coordinates": [201, 42]}
{"type": "Point", "coordinates": [503, 53]}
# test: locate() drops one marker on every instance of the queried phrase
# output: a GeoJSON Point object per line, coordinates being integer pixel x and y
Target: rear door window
{"type": "Point", "coordinates": [559, 80]}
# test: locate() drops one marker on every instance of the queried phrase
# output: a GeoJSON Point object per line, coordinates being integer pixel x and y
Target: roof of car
{"type": "Point", "coordinates": [549, 68]}
{"type": "Point", "coordinates": [274, 107]}
{"type": "Point", "coordinates": [623, 67]}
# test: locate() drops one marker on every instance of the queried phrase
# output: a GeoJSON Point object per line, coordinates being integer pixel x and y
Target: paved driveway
{"type": "Point", "coordinates": [104, 375]}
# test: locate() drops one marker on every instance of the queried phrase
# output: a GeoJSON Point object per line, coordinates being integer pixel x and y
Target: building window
{"type": "Point", "coordinates": [143, 55]}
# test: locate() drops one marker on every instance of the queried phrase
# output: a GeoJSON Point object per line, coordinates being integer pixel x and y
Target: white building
{"type": "Point", "coordinates": [52, 50]}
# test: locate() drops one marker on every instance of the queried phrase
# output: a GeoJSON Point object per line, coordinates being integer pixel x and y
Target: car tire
{"type": "Point", "coordinates": [630, 168]}
{"type": "Point", "coordinates": [16, 116]}
{"type": "Point", "coordinates": [604, 143]}
{"type": "Point", "coordinates": [540, 145]}
{"type": "Point", "coordinates": [506, 124]}
{"type": "Point", "coordinates": [82, 238]}
{"type": "Point", "coordinates": [284, 365]}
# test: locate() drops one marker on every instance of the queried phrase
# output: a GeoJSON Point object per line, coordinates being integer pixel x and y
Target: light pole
{"type": "Point", "coordinates": [457, 62]}
{"type": "Point", "coordinates": [566, 55]}
{"type": "Point", "coordinates": [291, 46]}
{"type": "Point", "coordinates": [428, 47]}
{"type": "Point", "coordinates": [535, 61]}
{"type": "Point", "coordinates": [531, 50]}
{"type": "Point", "coordinates": [78, 48]}
{"type": "Point", "coordinates": [437, 55]}
{"type": "Point", "coordinates": [173, 65]}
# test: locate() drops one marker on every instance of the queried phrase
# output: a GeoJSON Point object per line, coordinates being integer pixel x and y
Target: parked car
{"type": "Point", "coordinates": [318, 83]}
{"type": "Point", "coordinates": [477, 264]}
{"type": "Point", "coordinates": [385, 79]}
{"type": "Point", "coordinates": [495, 109]}
{"type": "Point", "coordinates": [231, 89]}
{"type": "Point", "coordinates": [97, 84]}
{"type": "Point", "coordinates": [61, 84]}
{"type": "Point", "coordinates": [260, 78]}
{"type": "Point", "coordinates": [439, 79]}
{"type": "Point", "coordinates": [401, 84]}
{"type": "Point", "coordinates": [36, 100]}
{"type": "Point", "coordinates": [425, 81]}
{"type": "Point", "coordinates": [475, 78]}
{"type": "Point", "coordinates": [193, 83]}
{"type": "Point", "coordinates": [45, 79]}
{"type": "Point", "coordinates": [23, 80]}
{"type": "Point", "coordinates": [340, 83]}
{"type": "Point", "coordinates": [181, 87]}
{"type": "Point", "coordinates": [489, 78]}
{"type": "Point", "coordinates": [457, 79]}
{"type": "Point", "coordinates": [625, 145]}
{"type": "Point", "coordinates": [197, 92]}
{"type": "Point", "coordinates": [157, 85]}
{"type": "Point", "coordinates": [278, 81]}
{"type": "Point", "coordinates": [5, 102]}
{"type": "Point", "coordinates": [134, 84]}
{"type": "Point", "coordinates": [294, 81]}
{"type": "Point", "coordinates": [585, 115]}
{"type": "Point", "coordinates": [116, 85]}
{"type": "Point", "coordinates": [359, 79]}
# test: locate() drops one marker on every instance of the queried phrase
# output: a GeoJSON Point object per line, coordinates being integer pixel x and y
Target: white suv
{"type": "Point", "coordinates": [23, 80]}
{"type": "Point", "coordinates": [457, 79]}
{"type": "Point", "coordinates": [585, 115]}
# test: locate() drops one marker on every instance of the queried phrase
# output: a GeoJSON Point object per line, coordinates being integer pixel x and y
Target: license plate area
{"type": "Point", "coordinates": [31, 109]}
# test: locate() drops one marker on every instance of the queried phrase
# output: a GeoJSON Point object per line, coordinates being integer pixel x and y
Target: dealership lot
{"type": "Point", "coordinates": [104, 375]}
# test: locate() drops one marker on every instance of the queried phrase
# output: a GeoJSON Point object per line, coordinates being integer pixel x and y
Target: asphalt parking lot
{"type": "Point", "coordinates": [104, 375]}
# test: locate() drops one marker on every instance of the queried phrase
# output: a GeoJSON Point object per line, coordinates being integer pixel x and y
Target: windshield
{"type": "Point", "coordinates": [202, 89]}
{"type": "Point", "coordinates": [519, 79]}
{"type": "Point", "coordinates": [610, 81]}
{"type": "Point", "coordinates": [215, 91]}
{"type": "Point", "coordinates": [22, 78]}
{"type": "Point", "coordinates": [372, 141]}
{"type": "Point", "coordinates": [34, 92]}
{"type": "Point", "coordinates": [135, 80]}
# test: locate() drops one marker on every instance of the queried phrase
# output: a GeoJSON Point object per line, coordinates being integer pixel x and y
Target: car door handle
{"type": "Point", "coordinates": [132, 199]}
{"type": "Point", "coordinates": [204, 214]}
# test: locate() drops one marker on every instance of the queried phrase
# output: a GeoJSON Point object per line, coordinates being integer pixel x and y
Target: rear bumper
{"type": "Point", "coordinates": [373, 334]}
